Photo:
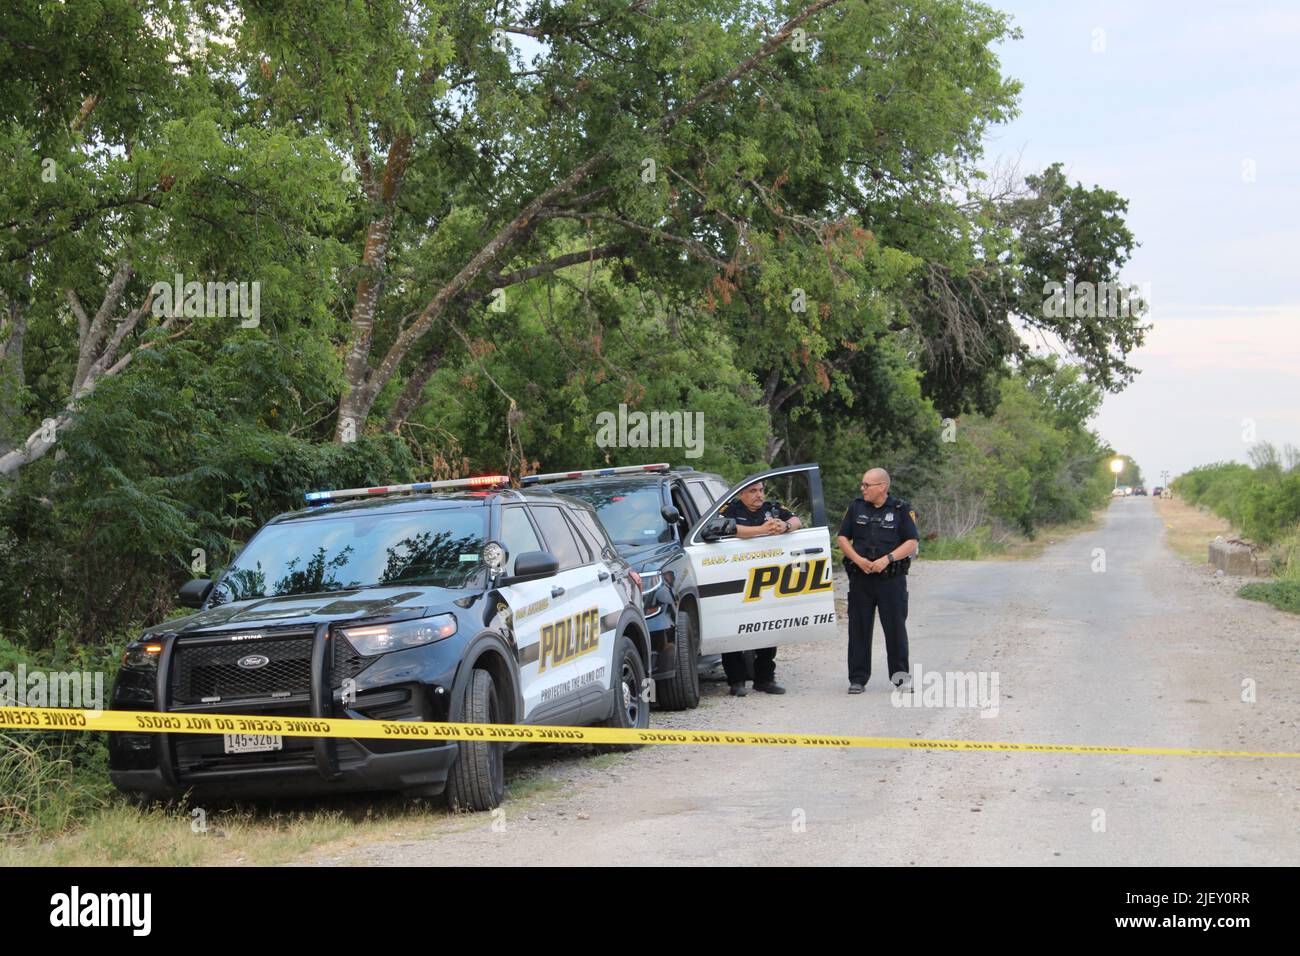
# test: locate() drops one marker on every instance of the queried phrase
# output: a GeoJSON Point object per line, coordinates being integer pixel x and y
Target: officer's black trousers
{"type": "Point", "coordinates": [869, 593]}
{"type": "Point", "coordinates": [764, 666]}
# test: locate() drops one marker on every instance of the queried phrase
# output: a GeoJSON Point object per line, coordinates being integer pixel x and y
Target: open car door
{"type": "Point", "coordinates": [771, 589]}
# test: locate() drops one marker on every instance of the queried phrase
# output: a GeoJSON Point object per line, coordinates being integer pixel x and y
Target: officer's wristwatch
{"type": "Point", "coordinates": [889, 558]}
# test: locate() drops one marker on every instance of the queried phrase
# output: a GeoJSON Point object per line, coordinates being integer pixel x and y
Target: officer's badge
{"type": "Point", "coordinates": [889, 517]}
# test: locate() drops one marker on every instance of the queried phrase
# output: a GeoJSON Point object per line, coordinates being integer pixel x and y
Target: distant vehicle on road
{"type": "Point", "coordinates": [1117, 493]}
{"type": "Point", "coordinates": [1157, 492]}
{"type": "Point", "coordinates": [1140, 491]}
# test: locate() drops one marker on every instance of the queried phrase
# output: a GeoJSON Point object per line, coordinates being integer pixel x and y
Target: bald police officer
{"type": "Point", "coordinates": [755, 516]}
{"type": "Point", "coordinates": [878, 537]}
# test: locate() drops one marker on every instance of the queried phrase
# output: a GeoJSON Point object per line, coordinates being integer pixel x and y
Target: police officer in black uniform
{"type": "Point", "coordinates": [878, 537]}
{"type": "Point", "coordinates": [754, 516]}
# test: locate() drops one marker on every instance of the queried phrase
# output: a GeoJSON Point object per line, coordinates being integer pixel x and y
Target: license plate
{"type": "Point", "coordinates": [253, 743]}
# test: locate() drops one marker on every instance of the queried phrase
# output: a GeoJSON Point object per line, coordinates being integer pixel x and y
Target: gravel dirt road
{"type": "Point", "coordinates": [1147, 652]}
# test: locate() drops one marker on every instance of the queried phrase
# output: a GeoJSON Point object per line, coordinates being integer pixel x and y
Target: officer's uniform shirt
{"type": "Point", "coordinates": [876, 532]}
{"type": "Point", "coordinates": [754, 519]}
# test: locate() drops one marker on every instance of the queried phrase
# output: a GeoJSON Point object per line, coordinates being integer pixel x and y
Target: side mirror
{"type": "Point", "coordinates": [670, 514]}
{"type": "Point", "coordinates": [532, 565]}
{"type": "Point", "coordinates": [194, 593]}
{"type": "Point", "coordinates": [718, 527]}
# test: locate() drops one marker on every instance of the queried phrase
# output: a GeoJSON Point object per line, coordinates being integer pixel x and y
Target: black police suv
{"type": "Point", "coordinates": [647, 510]}
{"type": "Point", "coordinates": [439, 601]}
{"type": "Point", "coordinates": [706, 591]}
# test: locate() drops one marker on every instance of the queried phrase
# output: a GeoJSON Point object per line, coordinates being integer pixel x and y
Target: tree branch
{"type": "Point", "coordinates": [358, 406]}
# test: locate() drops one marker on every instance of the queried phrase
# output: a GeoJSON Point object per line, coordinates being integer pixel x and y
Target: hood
{"type": "Point", "coordinates": [318, 608]}
{"type": "Point", "coordinates": [648, 556]}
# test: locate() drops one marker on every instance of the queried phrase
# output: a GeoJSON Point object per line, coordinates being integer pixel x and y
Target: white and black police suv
{"type": "Point", "coordinates": [440, 601]}
{"type": "Point", "coordinates": [708, 591]}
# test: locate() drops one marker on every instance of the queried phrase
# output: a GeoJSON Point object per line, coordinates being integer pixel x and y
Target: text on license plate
{"type": "Point", "coordinates": [253, 743]}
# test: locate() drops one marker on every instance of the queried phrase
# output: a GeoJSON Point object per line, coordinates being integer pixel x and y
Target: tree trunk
{"type": "Point", "coordinates": [12, 376]}
{"type": "Point", "coordinates": [355, 403]}
{"type": "Point", "coordinates": [92, 365]}
{"type": "Point", "coordinates": [37, 444]}
{"type": "Point", "coordinates": [94, 330]}
{"type": "Point", "coordinates": [409, 400]}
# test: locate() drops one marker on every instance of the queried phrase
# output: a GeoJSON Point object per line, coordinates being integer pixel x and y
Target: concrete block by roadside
{"type": "Point", "coordinates": [1239, 558]}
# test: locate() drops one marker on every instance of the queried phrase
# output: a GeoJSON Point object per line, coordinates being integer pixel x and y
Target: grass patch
{"type": "Point", "coordinates": [40, 790]}
{"type": "Point", "coordinates": [971, 547]}
{"type": "Point", "coordinates": [533, 785]}
{"type": "Point", "coordinates": [1189, 530]}
{"type": "Point", "coordinates": [982, 543]}
{"type": "Point", "coordinates": [1283, 595]}
{"type": "Point", "coordinates": [603, 761]}
{"type": "Point", "coordinates": [183, 835]}
{"type": "Point", "coordinates": [52, 780]}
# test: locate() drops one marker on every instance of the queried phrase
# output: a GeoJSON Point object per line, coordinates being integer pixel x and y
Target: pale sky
{"type": "Point", "coordinates": [1192, 112]}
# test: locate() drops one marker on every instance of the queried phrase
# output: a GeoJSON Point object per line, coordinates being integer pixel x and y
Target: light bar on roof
{"type": "Point", "coordinates": [595, 472]}
{"type": "Point", "coordinates": [481, 481]}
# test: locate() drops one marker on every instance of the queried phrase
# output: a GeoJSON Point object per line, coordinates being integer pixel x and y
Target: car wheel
{"type": "Point", "coordinates": [477, 780]}
{"type": "Point", "coordinates": [144, 800]}
{"type": "Point", "coordinates": [631, 708]}
{"type": "Point", "coordinates": [682, 691]}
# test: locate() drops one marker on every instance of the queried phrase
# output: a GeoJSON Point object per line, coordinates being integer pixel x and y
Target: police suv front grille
{"type": "Point", "coordinates": [206, 667]}
{"type": "Point", "coordinates": [206, 671]}
{"type": "Point", "coordinates": [347, 662]}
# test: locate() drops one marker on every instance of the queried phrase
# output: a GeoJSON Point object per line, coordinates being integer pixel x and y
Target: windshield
{"type": "Point", "coordinates": [423, 548]}
{"type": "Point", "coordinates": [629, 511]}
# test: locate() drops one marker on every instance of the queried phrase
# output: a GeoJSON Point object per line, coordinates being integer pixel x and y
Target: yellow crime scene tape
{"type": "Point", "coordinates": [130, 721]}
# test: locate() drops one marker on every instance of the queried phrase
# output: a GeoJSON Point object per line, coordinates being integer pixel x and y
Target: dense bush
{"type": "Point", "coordinates": [1032, 462]}
{"type": "Point", "coordinates": [146, 494]}
{"type": "Point", "coordinates": [50, 779]}
{"type": "Point", "coordinates": [1263, 501]}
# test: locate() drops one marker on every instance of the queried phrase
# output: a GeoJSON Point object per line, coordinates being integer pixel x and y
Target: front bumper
{"type": "Point", "coordinates": [406, 685]}
{"type": "Point", "coordinates": [423, 771]}
{"type": "Point", "coordinates": [662, 625]}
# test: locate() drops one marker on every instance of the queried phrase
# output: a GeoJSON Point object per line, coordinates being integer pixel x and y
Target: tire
{"type": "Point", "coordinates": [477, 780]}
{"type": "Point", "coordinates": [144, 800]}
{"type": "Point", "coordinates": [682, 691]}
{"type": "Point", "coordinates": [630, 710]}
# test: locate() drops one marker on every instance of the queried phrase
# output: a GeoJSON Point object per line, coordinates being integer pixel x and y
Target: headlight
{"type": "Point", "coordinates": [650, 580]}
{"type": "Point", "coordinates": [372, 639]}
{"type": "Point", "coordinates": [142, 654]}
